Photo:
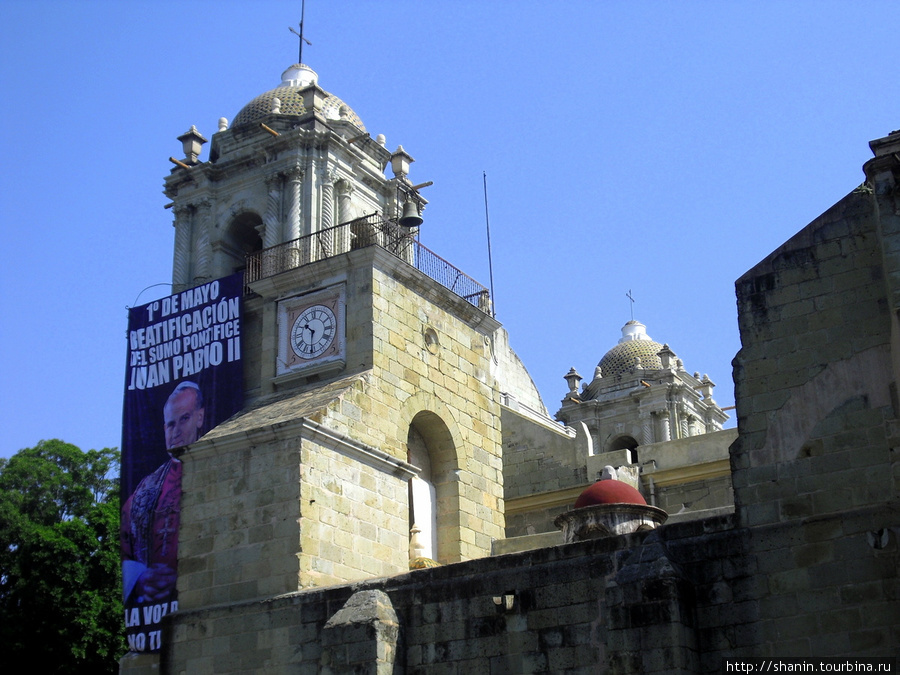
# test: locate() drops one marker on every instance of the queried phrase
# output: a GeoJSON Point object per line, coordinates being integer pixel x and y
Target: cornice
{"type": "Point", "coordinates": [687, 474]}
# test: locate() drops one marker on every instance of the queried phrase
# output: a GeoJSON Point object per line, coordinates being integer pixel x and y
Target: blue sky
{"type": "Point", "coordinates": [660, 147]}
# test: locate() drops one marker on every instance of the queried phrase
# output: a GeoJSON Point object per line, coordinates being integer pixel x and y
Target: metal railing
{"type": "Point", "coordinates": [371, 230]}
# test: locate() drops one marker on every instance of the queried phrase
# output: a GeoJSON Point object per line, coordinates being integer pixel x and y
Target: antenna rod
{"type": "Point", "coordinates": [487, 221]}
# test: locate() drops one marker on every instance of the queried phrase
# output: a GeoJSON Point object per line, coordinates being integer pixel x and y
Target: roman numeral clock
{"type": "Point", "coordinates": [311, 334]}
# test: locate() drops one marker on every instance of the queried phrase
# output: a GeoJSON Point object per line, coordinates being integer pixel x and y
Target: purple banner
{"type": "Point", "coordinates": [183, 377]}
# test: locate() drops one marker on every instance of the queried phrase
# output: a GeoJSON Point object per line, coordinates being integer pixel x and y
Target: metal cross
{"type": "Point", "coordinates": [300, 34]}
{"type": "Point", "coordinates": [630, 297]}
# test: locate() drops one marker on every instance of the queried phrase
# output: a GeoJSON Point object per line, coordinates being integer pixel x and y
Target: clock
{"type": "Point", "coordinates": [311, 334]}
{"type": "Point", "coordinates": [313, 331]}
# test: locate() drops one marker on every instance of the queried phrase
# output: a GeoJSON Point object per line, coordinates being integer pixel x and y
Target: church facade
{"type": "Point", "coordinates": [384, 501]}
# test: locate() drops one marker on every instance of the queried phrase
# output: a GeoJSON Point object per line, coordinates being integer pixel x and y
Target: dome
{"type": "Point", "coordinates": [294, 81]}
{"type": "Point", "coordinates": [635, 343]}
{"type": "Point", "coordinates": [609, 492]}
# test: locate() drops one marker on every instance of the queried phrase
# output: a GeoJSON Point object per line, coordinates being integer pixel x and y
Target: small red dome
{"type": "Point", "coordinates": [609, 492]}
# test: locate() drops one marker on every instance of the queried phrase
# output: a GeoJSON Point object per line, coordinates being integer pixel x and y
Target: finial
{"type": "Point", "coordinates": [630, 297]}
{"type": "Point", "coordinates": [192, 140]}
{"type": "Point", "coordinates": [573, 379]}
{"type": "Point", "coordinates": [400, 161]}
{"type": "Point", "coordinates": [300, 34]}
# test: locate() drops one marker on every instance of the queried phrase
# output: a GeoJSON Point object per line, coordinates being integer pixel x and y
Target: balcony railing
{"type": "Point", "coordinates": [371, 230]}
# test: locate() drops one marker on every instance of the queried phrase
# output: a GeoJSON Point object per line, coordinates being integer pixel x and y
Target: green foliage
{"type": "Point", "coordinates": [60, 574]}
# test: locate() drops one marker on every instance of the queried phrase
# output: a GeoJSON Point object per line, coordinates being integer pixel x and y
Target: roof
{"type": "Point", "coordinates": [286, 408]}
{"type": "Point", "coordinates": [294, 82]}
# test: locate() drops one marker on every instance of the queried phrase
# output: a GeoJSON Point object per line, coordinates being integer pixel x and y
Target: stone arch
{"type": "Point", "coordinates": [432, 430]}
{"type": "Point", "coordinates": [624, 442]}
{"type": "Point", "coordinates": [241, 236]}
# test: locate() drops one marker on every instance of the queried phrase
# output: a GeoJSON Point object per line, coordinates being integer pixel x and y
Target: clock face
{"type": "Point", "coordinates": [313, 331]}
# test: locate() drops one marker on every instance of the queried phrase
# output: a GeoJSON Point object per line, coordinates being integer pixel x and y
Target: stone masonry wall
{"type": "Point", "coordinates": [431, 369]}
{"type": "Point", "coordinates": [813, 377]}
{"type": "Point", "coordinates": [239, 527]}
{"type": "Point", "coordinates": [354, 521]}
{"type": "Point", "coordinates": [539, 458]}
{"type": "Point", "coordinates": [815, 465]}
{"type": "Point", "coordinates": [271, 508]}
{"type": "Point", "coordinates": [676, 600]}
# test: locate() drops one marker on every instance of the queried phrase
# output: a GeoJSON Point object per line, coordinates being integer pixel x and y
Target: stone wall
{"type": "Point", "coordinates": [271, 508]}
{"type": "Point", "coordinates": [815, 466]}
{"type": "Point", "coordinates": [539, 457]}
{"type": "Point", "coordinates": [813, 378]}
{"type": "Point", "coordinates": [632, 602]}
{"type": "Point", "coordinates": [432, 371]}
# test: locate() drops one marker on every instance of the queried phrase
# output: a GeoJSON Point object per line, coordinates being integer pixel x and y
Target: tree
{"type": "Point", "coordinates": [60, 575]}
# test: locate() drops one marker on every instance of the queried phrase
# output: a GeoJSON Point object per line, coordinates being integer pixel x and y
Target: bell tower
{"type": "Point", "coordinates": [295, 162]}
{"type": "Point", "coordinates": [371, 365]}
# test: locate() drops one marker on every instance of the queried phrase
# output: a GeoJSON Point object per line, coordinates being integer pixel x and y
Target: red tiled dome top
{"type": "Point", "coordinates": [609, 492]}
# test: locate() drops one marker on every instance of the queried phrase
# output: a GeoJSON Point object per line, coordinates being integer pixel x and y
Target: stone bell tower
{"type": "Point", "coordinates": [373, 368]}
{"type": "Point", "coordinates": [296, 161]}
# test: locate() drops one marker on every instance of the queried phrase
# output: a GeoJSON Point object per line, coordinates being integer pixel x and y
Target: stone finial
{"type": "Point", "coordinates": [705, 388]}
{"type": "Point", "coordinates": [608, 473]}
{"type": "Point", "coordinates": [276, 106]}
{"type": "Point", "coordinates": [400, 161]}
{"type": "Point", "coordinates": [666, 357]}
{"type": "Point", "coordinates": [192, 141]}
{"type": "Point", "coordinates": [381, 140]}
{"type": "Point", "coordinates": [573, 378]}
{"type": "Point", "coordinates": [416, 547]}
{"type": "Point", "coordinates": [598, 372]}
{"type": "Point", "coordinates": [223, 123]}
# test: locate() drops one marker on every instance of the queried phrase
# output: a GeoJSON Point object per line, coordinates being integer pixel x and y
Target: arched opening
{"type": "Point", "coordinates": [434, 493]}
{"type": "Point", "coordinates": [422, 499]}
{"type": "Point", "coordinates": [242, 236]}
{"type": "Point", "coordinates": [628, 443]}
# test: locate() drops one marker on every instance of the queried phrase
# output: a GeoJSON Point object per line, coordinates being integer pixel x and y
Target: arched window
{"type": "Point", "coordinates": [625, 442]}
{"type": "Point", "coordinates": [434, 493]}
{"type": "Point", "coordinates": [242, 236]}
{"type": "Point", "coordinates": [422, 497]}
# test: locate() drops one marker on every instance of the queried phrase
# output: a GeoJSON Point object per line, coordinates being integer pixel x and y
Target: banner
{"type": "Point", "coordinates": [183, 377]}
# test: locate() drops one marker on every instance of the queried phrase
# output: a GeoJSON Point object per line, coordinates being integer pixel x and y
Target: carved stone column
{"type": "Point", "coordinates": [683, 422]}
{"type": "Point", "coordinates": [271, 230]}
{"type": "Point", "coordinates": [294, 179]}
{"type": "Point", "coordinates": [326, 234]}
{"type": "Point", "coordinates": [664, 427]}
{"type": "Point", "coordinates": [181, 264]}
{"type": "Point", "coordinates": [203, 251]}
{"type": "Point", "coordinates": [344, 214]}
{"type": "Point", "coordinates": [345, 191]}
{"type": "Point", "coordinates": [646, 428]}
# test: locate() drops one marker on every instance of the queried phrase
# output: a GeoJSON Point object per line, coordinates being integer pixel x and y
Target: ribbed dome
{"type": "Point", "coordinates": [294, 81]}
{"type": "Point", "coordinates": [609, 492]}
{"type": "Point", "coordinates": [635, 343]}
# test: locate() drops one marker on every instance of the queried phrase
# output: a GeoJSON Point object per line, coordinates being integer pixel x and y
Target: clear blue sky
{"type": "Point", "coordinates": [661, 147]}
